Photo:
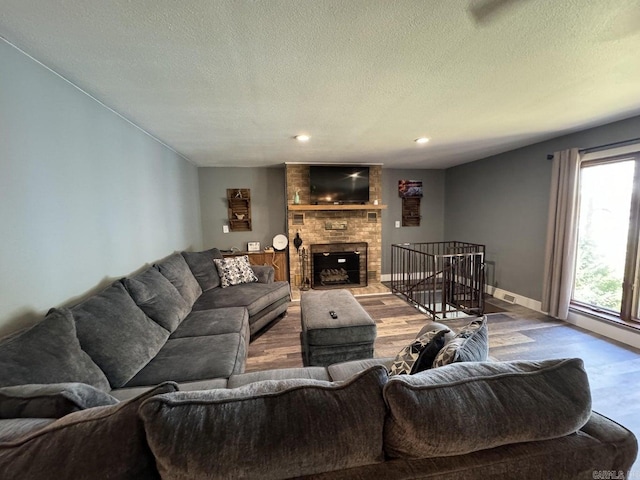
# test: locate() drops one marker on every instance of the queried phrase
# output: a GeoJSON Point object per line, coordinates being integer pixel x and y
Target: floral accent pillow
{"type": "Point", "coordinates": [234, 271]}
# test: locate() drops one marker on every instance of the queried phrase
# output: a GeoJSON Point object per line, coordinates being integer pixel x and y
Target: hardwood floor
{"type": "Point", "coordinates": [515, 334]}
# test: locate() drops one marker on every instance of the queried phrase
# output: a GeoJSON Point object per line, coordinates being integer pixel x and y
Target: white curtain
{"type": "Point", "coordinates": [561, 233]}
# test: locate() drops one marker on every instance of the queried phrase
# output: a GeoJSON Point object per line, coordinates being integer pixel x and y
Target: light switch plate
{"type": "Point", "coordinates": [397, 223]}
{"type": "Point", "coordinates": [225, 228]}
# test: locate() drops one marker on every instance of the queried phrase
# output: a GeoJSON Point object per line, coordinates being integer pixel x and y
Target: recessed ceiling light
{"type": "Point", "coordinates": [302, 138]}
{"type": "Point", "coordinates": [421, 140]}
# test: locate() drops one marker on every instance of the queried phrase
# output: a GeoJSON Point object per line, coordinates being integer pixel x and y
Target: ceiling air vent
{"type": "Point", "coordinates": [509, 298]}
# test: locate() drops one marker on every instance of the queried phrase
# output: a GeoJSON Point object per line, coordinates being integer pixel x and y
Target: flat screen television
{"type": "Point", "coordinates": [332, 184]}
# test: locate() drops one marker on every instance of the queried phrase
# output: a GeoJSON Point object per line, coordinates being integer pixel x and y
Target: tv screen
{"type": "Point", "coordinates": [331, 184]}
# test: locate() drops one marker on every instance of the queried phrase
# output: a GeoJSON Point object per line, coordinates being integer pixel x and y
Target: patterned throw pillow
{"type": "Point", "coordinates": [234, 271]}
{"type": "Point", "coordinates": [419, 355]}
{"type": "Point", "coordinates": [471, 344]}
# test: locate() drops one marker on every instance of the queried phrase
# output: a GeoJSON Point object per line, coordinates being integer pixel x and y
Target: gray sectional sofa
{"type": "Point", "coordinates": [144, 381]}
{"type": "Point", "coordinates": [172, 321]}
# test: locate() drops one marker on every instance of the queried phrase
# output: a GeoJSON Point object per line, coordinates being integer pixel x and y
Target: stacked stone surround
{"type": "Point", "coordinates": [360, 226]}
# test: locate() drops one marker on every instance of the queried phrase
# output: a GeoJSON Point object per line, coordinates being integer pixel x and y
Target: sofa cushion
{"type": "Point", "coordinates": [48, 352]}
{"type": "Point", "coordinates": [464, 407]}
{"type": "Point", "coordinates": [101, 442]}
{"type": "Point", "coordinates": [471, 344]}
{"type": "Point", "coordinates": [419, 354]}
{"type": "Point", "coordinates": [203, 268]}
{"type": "Point", "coordinates": [158, 298]}
{"type": "Point", "coordinates": [52, 400]}
{"type": "Point", "coordinates": [254, 296]}
{"type": "Point", "coordinates": [213, 322]}
{"type": "Point", "coordinates": [264, 273]}
{"type": "Point", "coordinates": [311, 373]}
{"type": "Point", "coordinates": [235, 271]}
{"type": "Point", "coordinates": [117, 335]}
{"type": "Point", "coordinates": [177, 271]}
{"type": "Point", "coordinates": [345, 370]}
{"type": "Point", "coordinates": [127, 393]}
{"type": "Point", "coordinates": [196, 358]}
{"type": "Point", "coordinates": [267, 430]}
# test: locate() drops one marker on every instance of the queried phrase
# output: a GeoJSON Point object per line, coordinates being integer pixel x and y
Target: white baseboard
{"type": "Point", "coordinates": [622, 334]}
{"type": "Point", "coordinates": [496, 292]}
{"type": "Point", "coordinates": [519, 299]}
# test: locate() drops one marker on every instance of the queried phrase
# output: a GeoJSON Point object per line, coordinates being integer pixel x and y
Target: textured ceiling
{"type": "Point", "coordinates": [229, 82]}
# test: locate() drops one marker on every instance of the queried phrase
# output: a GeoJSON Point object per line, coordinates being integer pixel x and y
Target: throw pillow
{"type": "Point", "coordinates": [418, 355]}
{"type": "Point", "coordinates": [234, 271]}
{"type": "Point", "coordinates": [429, 326]}
{"type": "Point", "coordinates": [100, 442]}
{"type": "Point", "coordinates": [470, 406]}
{"type": "Point", "coordinates": [53, 400]}
{"type": "Point", "coordinates": [471, 344]}
{"type": "Point", "coordinates": [48, 352]}
{"type": "Point", "coordinates": [158, 298]}
{"type": "Point", "coordinates": [289, 428]}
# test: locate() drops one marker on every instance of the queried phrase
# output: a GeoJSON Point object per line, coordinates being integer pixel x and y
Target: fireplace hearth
{"type": "Point", "coordinates": [337, 265]}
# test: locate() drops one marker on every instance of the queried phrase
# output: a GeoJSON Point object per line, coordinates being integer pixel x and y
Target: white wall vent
{"type": "Point", "coordinates": [509, 298]}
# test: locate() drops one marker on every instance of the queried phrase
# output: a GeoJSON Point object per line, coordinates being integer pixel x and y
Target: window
{"type": "Point", "coordinates": [607, 238]}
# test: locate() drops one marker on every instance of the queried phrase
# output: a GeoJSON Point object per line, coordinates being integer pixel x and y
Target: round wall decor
{"type": "Point", "coordinates": [280, 242]}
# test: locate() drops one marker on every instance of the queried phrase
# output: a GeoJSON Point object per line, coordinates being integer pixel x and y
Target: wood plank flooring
{"type": "Point", "coordinates": [516, 334]}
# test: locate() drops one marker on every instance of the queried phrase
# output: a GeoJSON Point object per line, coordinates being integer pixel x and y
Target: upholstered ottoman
{"type": "Point", "coordinates": [327, 340]}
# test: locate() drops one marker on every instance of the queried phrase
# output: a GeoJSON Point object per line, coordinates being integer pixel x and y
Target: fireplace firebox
{"type": "Point", "coordinates": [338, 265]}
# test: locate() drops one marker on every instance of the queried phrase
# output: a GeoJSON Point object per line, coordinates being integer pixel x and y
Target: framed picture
{"type": "Point", "coordinates": [253, 246]}
{"type": "Point", "coordinates": [409, 188]}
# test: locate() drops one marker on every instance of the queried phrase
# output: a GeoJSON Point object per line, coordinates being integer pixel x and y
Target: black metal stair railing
{"type": "Point", "coordinates": [440, 278]}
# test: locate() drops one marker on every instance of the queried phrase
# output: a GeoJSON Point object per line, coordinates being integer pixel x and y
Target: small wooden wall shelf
{"type": "Point", "coordinates": [239, 209]}
{"type": "Point", "coordinates": [411, 212]}
{"type": "Point", "coordinates": [335, 207]}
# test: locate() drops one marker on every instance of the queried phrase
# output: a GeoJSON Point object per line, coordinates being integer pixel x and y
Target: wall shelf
{"type": "Point", "coordinates": [335, 207]}
{"type": "Point", "coordinates": [411, 212]}
{"type": "Point", "coordinates": [239, 209]}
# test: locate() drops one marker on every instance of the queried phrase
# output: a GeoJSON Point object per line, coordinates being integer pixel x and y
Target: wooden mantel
{"type": "Point", "coordinates": [336, 207]}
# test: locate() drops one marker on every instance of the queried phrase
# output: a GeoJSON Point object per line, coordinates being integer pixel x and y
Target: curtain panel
{"type": "Point", "coordinates": [561, 234]}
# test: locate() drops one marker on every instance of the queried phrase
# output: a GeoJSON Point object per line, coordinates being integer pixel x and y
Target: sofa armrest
{"type": "Point", "coordinates": [265, 273]}
{"type": "Point", "coordinates": [622, 443]}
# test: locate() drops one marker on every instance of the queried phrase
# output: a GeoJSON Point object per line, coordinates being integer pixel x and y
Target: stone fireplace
{"type": "Point", "coordinates": [331, 225]}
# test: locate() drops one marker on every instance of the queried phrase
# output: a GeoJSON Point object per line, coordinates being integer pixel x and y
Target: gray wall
{"type": "Point", "coordinates": [502, 202]}
{"type": "Point", "coordinates": [267, 204]}
{"type": "Point", "coordinates": [86, 196]}
{"type": "Point", "coordinates": [431, 227]}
